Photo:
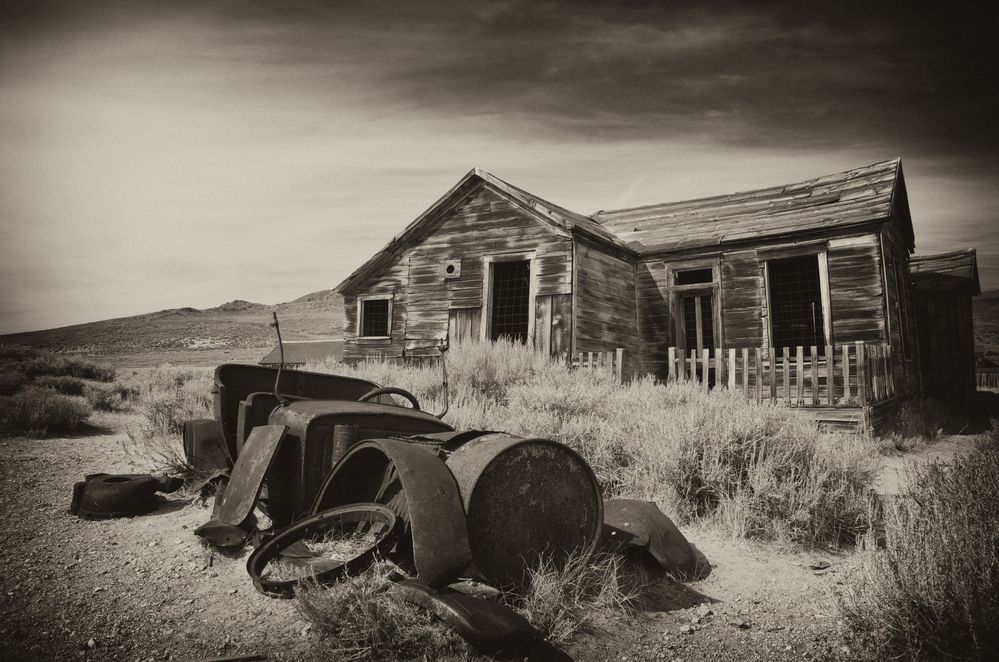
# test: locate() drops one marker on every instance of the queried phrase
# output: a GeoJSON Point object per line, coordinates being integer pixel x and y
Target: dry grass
{"type": "Point", "coordinates": [36, 411]}
{"type": "Point", "coordinates": [166, 397]}
{"type": "Point", "coordinates": [360, 619]}
{"type": "Point", "coordinates": [930, 589]}
{"type": "Point", "coordinates": [562, 599]}
{"type": "Point", "coordinates": [755, 471]}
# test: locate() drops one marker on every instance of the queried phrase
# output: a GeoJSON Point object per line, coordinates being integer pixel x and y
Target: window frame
{"type": "Point", "coordinates": [359, 327]}
{"type": "Point", "coordinates": [821, 251]}
{"type": "Point", "coordinates": [486, 320]}
{"type": "Point", "coordinates": [677, 293]}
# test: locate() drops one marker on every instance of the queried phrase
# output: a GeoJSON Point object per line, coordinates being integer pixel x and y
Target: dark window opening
{"type": "Point", "coordinates": [694, 276]}
{"type": "Point", "coordinates": [698, 322]}
{"type": "Point", "coordinates": [796, 302]}
{"type": "Point", "coordinates": [511, 299]}
{"type": "Point", "coordinates": [375, 317]}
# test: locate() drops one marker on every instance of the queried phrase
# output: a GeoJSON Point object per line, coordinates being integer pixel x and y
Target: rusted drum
{"type": "Point", "coordinates": [525, 498]}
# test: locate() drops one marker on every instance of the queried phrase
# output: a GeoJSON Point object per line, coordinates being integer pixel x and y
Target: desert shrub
{"type": "Point", "coordinates": [361, 619]}
{"type": "Point", "coordinates": [157, 452]}
{"type": "Point", "coordinates": [11, 379]}
{"type": "Point", "coordinates": [929, 589]}
{"type": "Point", "coordinates": [35, 363]}
{"type": "Point", "coordinates": [757, 471]}
{"type": "Point", "coordinates": [110, 397]}
{"type": "Point", "coordinates": [41, 411]}
{"type": "Point", "coordinates": [169, 396]}
{"type": "Point", "coordinates": [561, 600]}
{"type": "Point", "coordinates": [61, 384]}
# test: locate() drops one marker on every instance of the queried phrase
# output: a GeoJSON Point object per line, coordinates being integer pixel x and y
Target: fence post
{"type": "Point", "coordinates": [745, 371]}
{"type": "Point", "coordinates": [786, 365]}
{"type": "Point", "coordinates": [799, 366]}
{"type": "Point", "coordinates": [814, 370]}
{"type": "Point", "coordinates": [671, 376]}
{"type": "Point", "coordinates": [831, 374]}
{"type": "Point", "coordinates": [861, 373]}
{"type": "Point", "coordinates": [705, 367]}
{"type": "Point", "coordinates": [759, 375]}
{"type": "Point", "coordinates": [720, 378]}
{"type": "Point", "coordinates": [731, 369]}
{"type": "Point", "coordinates": [846, 374]}
{"type": "Point", "coordinates": [619, 363]}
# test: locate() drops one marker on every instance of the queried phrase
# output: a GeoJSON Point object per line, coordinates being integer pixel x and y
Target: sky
{"type": "Point", "coordinates": [169, 154]}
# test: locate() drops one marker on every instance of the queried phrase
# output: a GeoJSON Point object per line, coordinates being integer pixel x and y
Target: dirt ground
{"type": "Point", "coordinates": [146, 589]}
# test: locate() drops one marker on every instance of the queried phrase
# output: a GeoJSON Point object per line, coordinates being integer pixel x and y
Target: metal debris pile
{"type": "Point", "coordinates": [322, 457]}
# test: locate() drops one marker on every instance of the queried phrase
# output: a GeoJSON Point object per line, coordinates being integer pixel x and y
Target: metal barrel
{"type": "Point", "coordinates": [524, 499]}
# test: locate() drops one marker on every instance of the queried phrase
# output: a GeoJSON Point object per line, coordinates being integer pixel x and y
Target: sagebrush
{"type": "Point", "coordinates": [758, 471]}
{"type": "Point", "coordinates": [928, 584]}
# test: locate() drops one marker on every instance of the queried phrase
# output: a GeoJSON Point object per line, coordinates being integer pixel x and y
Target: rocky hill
{"type": "Point", "coordinates": [231, 326]}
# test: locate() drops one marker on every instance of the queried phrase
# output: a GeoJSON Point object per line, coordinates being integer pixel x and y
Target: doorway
{"type": "Point", "coordinates": [511, 292]}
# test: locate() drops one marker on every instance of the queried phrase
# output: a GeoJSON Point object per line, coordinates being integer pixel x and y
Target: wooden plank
{"type": "Point", "coordinates": [759, 374]}
{"type": "Point", "coordinates": [693, 365]}
{"type": "Point", "coordinates": [787, 375]}
{"type": "Point", "coordinates": [543, 324]}
{"type": "Point", "coordinates": [861, 374]}
{"type": "Point", "coordinates": [720, 378]}
{"type": "Point", "coordinates": [745, 371]}
{"type": "Point", "coordinates": [731, 368]}
{"type": "Point", "coordinates": [699, 324]}
{"type": "Point", "coordinates": [705, 367]}
{"type": "Point", "coordinates": [589, 363]}
{"type": "Point", "coordinates": [561, 333]}
{"type": "Point", "coordinates": [619, 363]}
{"type": "Point", "coordinates": [831, 375]}
{"type": "Point", "coordinates": [846, 374]}
{"type": "Point", "coordinates": [814, 370]}
{"type": "Point", "coordinates": [671, 375]}
{"type": "Point", "coordinates": [773, 374]}
{"type": "Point", "coordinates": [799, 382]}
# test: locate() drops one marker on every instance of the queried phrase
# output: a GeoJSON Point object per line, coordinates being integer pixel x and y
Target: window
{"type": "Point", "coordinates": [374, 319]}
{"type": "Point", "coordinates": [796, 311]}
{"type": "Point", "coordinates": [511, 288]}
{"type": "Point", "coordinates": [694, 276]}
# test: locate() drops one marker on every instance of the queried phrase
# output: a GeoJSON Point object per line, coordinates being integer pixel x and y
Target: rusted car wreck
{"type": "Point", "coordinates": [299, 456]}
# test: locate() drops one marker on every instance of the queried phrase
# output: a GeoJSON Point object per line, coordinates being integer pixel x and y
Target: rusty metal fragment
{"type": "Point", "coordinates": [421, 491]}
{"type": "Point", "coordinates": [379, 521]}
{"type": "Point", "coordinates": [236, 502]}
{"type": "Point", "coordinates": [633, 523]}
{"type": "Point", "coordinates": [490, 627]}
{"type": "Point", "coordinates": [525, 498]}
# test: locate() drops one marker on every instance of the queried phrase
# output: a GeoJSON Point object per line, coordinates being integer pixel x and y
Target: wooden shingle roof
{"type": "Point", "coordinates": [946, 271]}
{"type": "Point", "coordinates": [854, 197]}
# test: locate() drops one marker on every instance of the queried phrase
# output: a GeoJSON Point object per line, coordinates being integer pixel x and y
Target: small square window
{"type": "Point", "coordinates": [375, 314]}
{"type": "Point", "coordinates": [694, 276]}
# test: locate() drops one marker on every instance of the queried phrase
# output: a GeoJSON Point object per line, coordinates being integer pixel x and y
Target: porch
{"type": "Point", "coordinates": [842, 387]}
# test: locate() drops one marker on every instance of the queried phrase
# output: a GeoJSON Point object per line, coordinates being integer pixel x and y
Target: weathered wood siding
{"type": "Point", "coordinates": [655, 326]}
{"type": "Point", "coordinates": [606, 317]}
{"type": "Point", "coordinates": [855, 288]}
{"type": "Point", "coordinates": [425, 304]}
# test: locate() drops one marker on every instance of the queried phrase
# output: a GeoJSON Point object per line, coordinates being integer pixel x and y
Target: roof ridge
{"type": "Point", "coordinates": [596, 216]}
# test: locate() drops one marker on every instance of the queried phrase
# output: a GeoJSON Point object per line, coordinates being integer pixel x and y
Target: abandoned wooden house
{"type": "Point", "coordinates": [799, 293]}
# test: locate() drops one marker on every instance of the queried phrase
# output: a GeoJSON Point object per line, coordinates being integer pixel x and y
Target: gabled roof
{"type": "Point", "coordinates": [843, 199]}
{"type": "Point", "coordinates": [558, 219]}
{"type": "Point", "coordinates": [301, 351]}
{"type": "Point", "coordinates": [946, 271]}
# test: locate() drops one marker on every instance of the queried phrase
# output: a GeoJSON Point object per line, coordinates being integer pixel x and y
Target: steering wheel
{"type": "Point", "coordinates": [390, 390]}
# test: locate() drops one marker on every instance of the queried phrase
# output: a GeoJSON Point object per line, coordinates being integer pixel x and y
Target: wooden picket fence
{"type": "Point", "coordinates": [855, 374]}
{"type": "Point", "coordinates": [612, 360]}
{"type": "Point", "coordinates": [987, 379]}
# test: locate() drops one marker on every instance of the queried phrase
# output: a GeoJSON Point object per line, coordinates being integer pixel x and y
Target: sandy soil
{"type": "Point", "coordinates": [146, 589]}
{"type": "Point", "coordinates": [893, 468]}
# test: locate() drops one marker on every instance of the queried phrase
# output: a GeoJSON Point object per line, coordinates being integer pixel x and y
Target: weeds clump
{"type": "Point", "coordinates": [12, 380]}
{"type": "Point", "coordinates": [360, 619]}
{"type": "Point", "coordinates": [561, 599]}
{"type": "Point", "coordinates": [41, 411]}
{"type": "Point", "coordinates": [61, 384]}
{"type": "Point", "coordinates": [169, 396]}
{"type": "Point", "coordinates": [110, 397]}
{"type": "Point", "coordinates": [757, 471]}
{"type": "Point", "coordinates": [930, 589]}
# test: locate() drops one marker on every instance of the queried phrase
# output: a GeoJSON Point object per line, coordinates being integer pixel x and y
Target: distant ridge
{"type": "Point", "coordinates": [236, 324]}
